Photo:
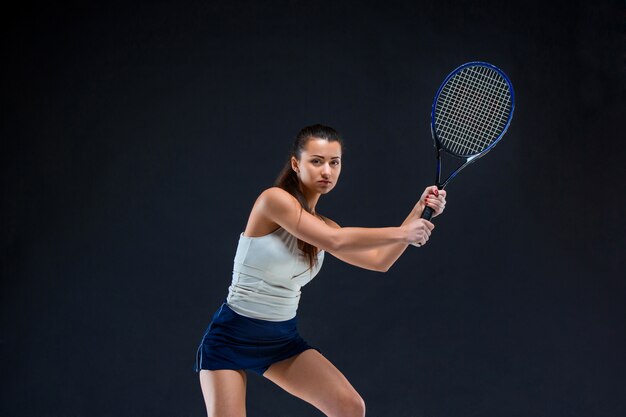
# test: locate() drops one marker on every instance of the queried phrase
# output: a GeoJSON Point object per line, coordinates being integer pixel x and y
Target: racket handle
{"type": "Point", "coordinates": [427, 213]}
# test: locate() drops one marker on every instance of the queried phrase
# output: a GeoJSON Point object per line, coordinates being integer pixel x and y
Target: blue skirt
{"type": "Point", "coordinates": [233, 341]}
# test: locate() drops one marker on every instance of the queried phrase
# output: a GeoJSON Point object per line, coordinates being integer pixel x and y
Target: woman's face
{"type": "Point", "coordinates": [319, 166]}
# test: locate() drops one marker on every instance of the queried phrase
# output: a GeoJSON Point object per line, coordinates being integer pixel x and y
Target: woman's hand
{"type": "Point", "coordinates": [431, 197]}
{"type": "Point", "coordinates": [418, 231]}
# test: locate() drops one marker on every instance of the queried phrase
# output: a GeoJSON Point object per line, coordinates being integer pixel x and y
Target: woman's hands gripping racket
{"type": "Point", "coordinates": [434, 199]}
{"type": "Point", "coordinates": [470, 114]}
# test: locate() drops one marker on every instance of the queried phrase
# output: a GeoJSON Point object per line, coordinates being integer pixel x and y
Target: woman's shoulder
{"type": "Point", "coordinates": [276, 195]}
{"type": "Point", "coordinates": [271, 205]}
{"type": "Point", "coordinates": [275, 192]}
{"type": "Point", "coordinates": [276, 198]}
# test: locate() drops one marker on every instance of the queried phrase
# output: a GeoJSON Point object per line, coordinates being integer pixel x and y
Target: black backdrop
{"type": "Point", "coordinates": [136, 137]}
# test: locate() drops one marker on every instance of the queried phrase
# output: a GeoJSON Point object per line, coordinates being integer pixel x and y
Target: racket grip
{"type": "Point", "coordinates": [427, 213]}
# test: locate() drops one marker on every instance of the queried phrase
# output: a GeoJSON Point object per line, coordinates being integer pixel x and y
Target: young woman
{"type": "Point", "coordinates": [281, 249]}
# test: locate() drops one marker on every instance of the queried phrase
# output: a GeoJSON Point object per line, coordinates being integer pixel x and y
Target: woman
{"type": "Point", "coordinates": [281, 249]}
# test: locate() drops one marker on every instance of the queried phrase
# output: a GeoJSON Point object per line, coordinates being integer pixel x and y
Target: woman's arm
{"type": "Point", "coordinates": [382, 258]}
{"type": "Point", "coordinates": [282, 208]}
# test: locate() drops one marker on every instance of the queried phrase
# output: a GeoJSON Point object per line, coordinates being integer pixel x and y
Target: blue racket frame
{"type": "Point", "coordinates": [439, 146]}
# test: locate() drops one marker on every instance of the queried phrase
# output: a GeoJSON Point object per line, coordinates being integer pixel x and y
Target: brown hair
{"type": "Point", "coordinates": [288, 179]}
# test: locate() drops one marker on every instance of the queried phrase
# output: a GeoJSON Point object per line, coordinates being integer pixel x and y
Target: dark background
{"type": "Point", "coordinates": [135, 139]}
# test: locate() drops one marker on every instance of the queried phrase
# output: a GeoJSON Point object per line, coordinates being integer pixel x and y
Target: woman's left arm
{"type": "Point", "coordinates": [382, 258]}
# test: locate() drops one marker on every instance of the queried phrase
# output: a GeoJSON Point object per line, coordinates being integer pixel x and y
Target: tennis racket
{"type": "Point", "coordinates": [471, 112]}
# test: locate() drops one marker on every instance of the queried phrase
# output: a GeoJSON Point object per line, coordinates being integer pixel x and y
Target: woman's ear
{"type": "Point", "coordinates": [294, 165]}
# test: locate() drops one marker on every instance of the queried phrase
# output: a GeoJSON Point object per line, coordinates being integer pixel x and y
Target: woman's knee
{"type": "Point", "coordinates": [350, 405]}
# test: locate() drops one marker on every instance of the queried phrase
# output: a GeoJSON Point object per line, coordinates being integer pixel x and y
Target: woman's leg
{"type": "Point", "coordinates": [311, 377]}
{"type": "Point", "coordinates": [224, 392]}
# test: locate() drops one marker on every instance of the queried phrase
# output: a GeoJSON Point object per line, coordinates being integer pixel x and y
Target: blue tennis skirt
{"type": "Point", "coordinates": [233, 341]}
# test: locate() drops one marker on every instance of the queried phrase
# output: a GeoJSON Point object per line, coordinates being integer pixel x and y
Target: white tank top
{"type": "Point", "coordinates": [268, 273]}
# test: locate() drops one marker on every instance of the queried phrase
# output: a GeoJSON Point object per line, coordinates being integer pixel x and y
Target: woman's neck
{"type": "Point", "coordinates": [311, 198]}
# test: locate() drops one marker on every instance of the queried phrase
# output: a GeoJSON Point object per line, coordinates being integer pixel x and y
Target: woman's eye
{"type": "Point", "coordinates": [334, 163]}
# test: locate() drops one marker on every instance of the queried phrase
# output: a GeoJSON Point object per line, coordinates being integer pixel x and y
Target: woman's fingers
{"type": "Point", "coordinates": [427, 229]}
{"type": "Point", "coordinates": [436, 200]}
{"type": "Point", "coordinates": [421, 231]}
{"type": "Point", "coordinates": [436, 204]}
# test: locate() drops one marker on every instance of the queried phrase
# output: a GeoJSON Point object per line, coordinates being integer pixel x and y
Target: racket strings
{"type": "Point", "coordinates": [472, 110]}
{"type": "Point", "coordinates": [468, 107]}
{"type": "Point", "coordinates": [472, 113]}
{"type": "Point", "coordinates": [472, 118]}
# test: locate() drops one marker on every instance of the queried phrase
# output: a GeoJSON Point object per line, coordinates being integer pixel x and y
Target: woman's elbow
{"type": "Point", "coordinates": [377, 267]}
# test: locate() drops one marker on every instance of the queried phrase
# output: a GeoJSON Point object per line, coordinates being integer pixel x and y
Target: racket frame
{"type": "Point", "coordinates": [439, 147]}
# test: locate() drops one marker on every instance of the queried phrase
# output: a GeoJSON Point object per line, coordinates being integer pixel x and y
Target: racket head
{"type": "Point", "coordinates": [472, 110]}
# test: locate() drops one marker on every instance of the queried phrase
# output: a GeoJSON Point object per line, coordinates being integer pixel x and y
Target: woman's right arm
{"type": "Point", "coordinates": [282, 208]}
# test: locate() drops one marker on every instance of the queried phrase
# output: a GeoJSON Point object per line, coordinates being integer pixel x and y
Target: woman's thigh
{"type": "Point", "coordinates": [224, 392]}
{"type": "Point", "coordinates": [314, 379]}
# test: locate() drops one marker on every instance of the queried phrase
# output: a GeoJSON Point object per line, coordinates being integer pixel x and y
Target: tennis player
{"type": "Point", "coordinates": [282, 249]}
